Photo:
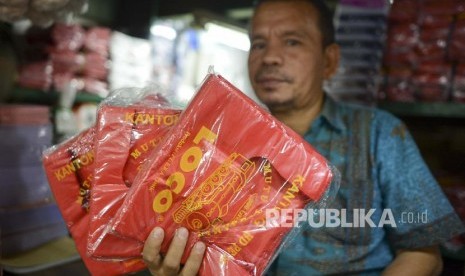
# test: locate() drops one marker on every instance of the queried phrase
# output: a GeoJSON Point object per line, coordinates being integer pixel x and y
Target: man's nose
{"type": "Point", "coordinates": [273, 55]}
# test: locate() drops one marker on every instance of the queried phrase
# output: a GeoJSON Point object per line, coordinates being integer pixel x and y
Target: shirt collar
{"type": "Point", "coordinates": [332, 113]}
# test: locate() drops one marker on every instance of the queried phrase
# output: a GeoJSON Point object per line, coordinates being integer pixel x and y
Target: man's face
{"type": "Point", "coordinates": [286, 60]}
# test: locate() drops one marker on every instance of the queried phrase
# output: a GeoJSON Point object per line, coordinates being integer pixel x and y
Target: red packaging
{"type": "Point", "coordinates": [69, 167]}
{"type": "Point", "coordinates": [434, 67]}
{"type": "Point", "coordinates": [398, 93]}
{"type": "Point", "coordinates": [431, 79]}
{"type": "Point", "coordinates": [402, 35]}
{"type": "Point", "coordinates": [66, 61]}
{"type": "Point", "coordinates": [216, 173]}
{"type": "Point", "coordinates": [61, 80]}
{"type": "Point", "coordinates": [68, 37]}
{"type": "Point", "coordinates": [95, 66]}
{"type": "Point", "coordinates": [444, 7]}
{"type": "Point", "coordinates": [404, 11]}
{"type": "Point", "coordinates": [458, 91]}
{"type": "Point", "coordinates": [24, 114]}
{"type": "Point", "coordinates": [431, 51]}
{"type": "Point", "coordinates": [432, 34]}
{"type": "Point", "coordinates": [432, 93]}
{"type": "Point", "coordinates": [428, 20]}
{"type": "Point", "coordinates": [36, 75]}
{"type": "Point", "coordinates": [97, 40]}
{"type": "Point", "coordinates": [125, 136]}
{"type": "Point", "coordinates": [400, 57]}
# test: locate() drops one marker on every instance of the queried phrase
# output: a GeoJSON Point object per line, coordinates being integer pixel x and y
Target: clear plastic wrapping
{"type": "Point", "coordinates": [427, 37]}
{"type": "Point", "coordinates": [97, 40]}
{"type": "Point", "coordinates": [360, 32]}
{"type": "Point", "coordinates": [237, 178]}
{"type": "Point", "coordinates": [70, 168]}
{"type": "Point", "coordinates": [37, 75]}
{"type": "Point", "coordinates": [130, 124]}
{"type": "Point", "coordinates": [219, 172]}
{"type": "Point", "coordinates": [69, 37]}
{"type": "Point", "coordinates": [404, 11]}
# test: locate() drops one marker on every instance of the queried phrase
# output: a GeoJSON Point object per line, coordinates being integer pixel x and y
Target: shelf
{"type": "Point", "coordinates": [439, 109]}
{"type": "Point", "coordinates": [27, 95]}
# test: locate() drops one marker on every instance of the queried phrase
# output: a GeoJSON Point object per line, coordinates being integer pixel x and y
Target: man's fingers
{"type": "Point", "coordinates": [151, 251]}
{"type": "Point", "coordinates": [194, 261]}
{"type": "Point", "coordinates": [170, 264]}
{"type": "Point", "coordinates": [172, 260]}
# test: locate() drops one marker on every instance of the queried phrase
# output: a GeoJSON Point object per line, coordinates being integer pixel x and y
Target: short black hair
{"type": "Point", "coordinates": [325, 20]}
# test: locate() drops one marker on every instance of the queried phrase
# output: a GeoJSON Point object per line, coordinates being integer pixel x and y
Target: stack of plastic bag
{"type": "Point", "coordinates": [128, 128]}
{"type": "Point", "coordinates": [217, 168]}
{"type": "Point", "coordinates": [71, 167]}
{"type": "Point", "coordinates": [360, 32]}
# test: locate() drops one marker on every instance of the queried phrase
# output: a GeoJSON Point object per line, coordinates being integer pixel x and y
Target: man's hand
{"type": "Point", "coordinates": [171, 263]}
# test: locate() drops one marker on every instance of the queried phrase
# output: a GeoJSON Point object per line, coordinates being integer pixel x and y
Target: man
{"type": "Point", "coordinates": [292, 53]}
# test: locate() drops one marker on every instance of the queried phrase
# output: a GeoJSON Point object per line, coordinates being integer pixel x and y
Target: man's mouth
{"type": "Point", "coordinates": [270, 82]}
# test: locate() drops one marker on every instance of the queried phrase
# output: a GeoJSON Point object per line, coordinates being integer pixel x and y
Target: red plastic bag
{"type": "Point", "coordinates": [36, 75]}
{"type": "Point", "coordinates": [68, 37]}
{"type": "Point", "coordinates": [404, 11]}
{"type": "Point", "coordinates": [130, 124]}
{"type": "Point", "coordinates": [70, 167]}
{"type": "Point", "coordinates": [98, 40]}
{"type": "Point", "coordinates": [216, 173]}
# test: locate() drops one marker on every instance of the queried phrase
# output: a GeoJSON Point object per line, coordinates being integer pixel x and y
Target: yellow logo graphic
{"type": "Point", "coordinates": [151, 119]}
{"type": "Point", "coordinates": [189, 161]}
{"type": "Point", "coordinates": [209, 202]}
{"type": "Point", "coordinates": [75, 165]}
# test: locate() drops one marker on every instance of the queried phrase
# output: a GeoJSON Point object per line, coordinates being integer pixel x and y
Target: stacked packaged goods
{"type": "Point", "coordinates": [127, 130]}
{"type": "Point", "coordinates": [29, 216]}
{"type": "Point", "coordinates": [360, 32]}
{"type": "Point", "coordinates": [75, 58]}
{"type": "Point", "coordinates": [65, 53]}
{"type": "Point", "coordinates": [131, 61]}
{"type": "Point", "coordinates": [218, 172]}
{"type": "Point", "coordinates": [90, 173]}
{"type": "Point", "coordinates": [147, 164]}
{"type": "Point", "coordinates": [423, 60]}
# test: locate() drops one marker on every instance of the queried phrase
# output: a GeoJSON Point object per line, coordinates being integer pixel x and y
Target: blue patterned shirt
{"type": "Point", "coordinates": [382, 173]}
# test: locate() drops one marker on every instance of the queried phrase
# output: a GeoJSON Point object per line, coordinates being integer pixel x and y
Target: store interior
{"type": "Point", "coordinates": [57, 64]}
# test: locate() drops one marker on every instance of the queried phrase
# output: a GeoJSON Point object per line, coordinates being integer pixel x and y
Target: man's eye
{"type": "Point", "coordinates": [257, 45]}
{"type": "Point", "coordinates": [292, 42]}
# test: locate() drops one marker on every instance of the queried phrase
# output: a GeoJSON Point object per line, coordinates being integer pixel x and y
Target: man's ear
{"type": "Point", "coordinates": [332, 56]}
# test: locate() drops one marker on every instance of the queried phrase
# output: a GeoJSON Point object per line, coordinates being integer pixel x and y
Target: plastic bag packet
{"type": "Point", "coordinates": [130, 123]}
{"type": "Point", "coordinates": [70, 167]}
{"type": "Point", "coordinates": [218, 172]}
